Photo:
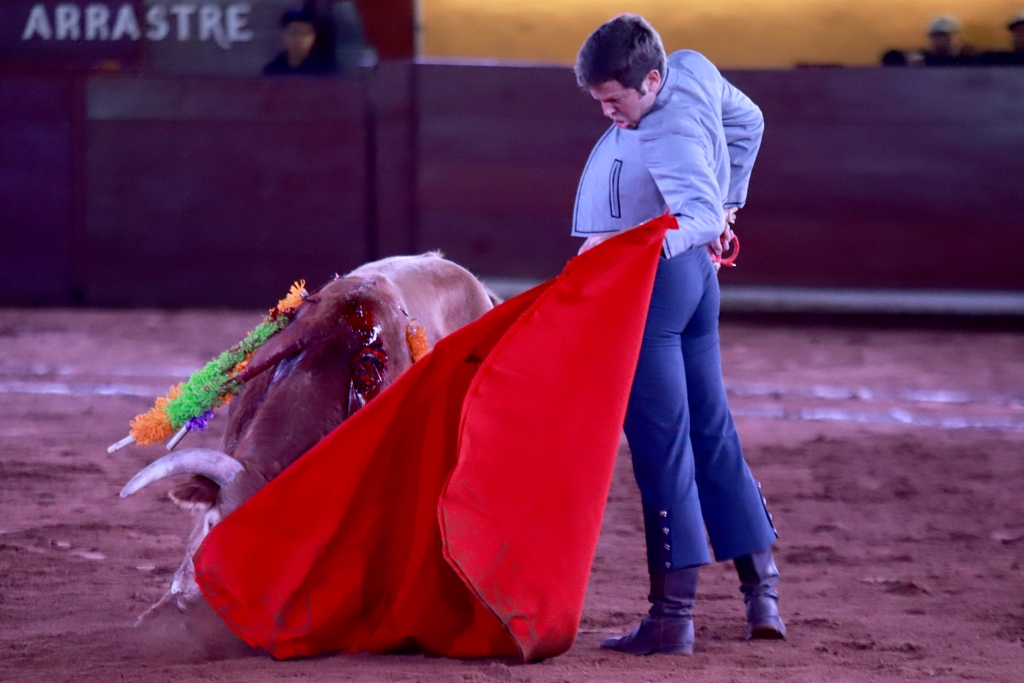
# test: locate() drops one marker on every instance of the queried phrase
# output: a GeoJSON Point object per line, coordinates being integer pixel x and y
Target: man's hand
{"type": "Point", "coordinates": [729, 220]}
{"type": "Point", "coordinates": [721, 245]}
{"type": "Point", "coordinates": [592, 242]}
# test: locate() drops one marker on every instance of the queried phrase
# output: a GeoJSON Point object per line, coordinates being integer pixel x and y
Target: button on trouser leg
{"type": "Point", "coordinates": [658, 425]}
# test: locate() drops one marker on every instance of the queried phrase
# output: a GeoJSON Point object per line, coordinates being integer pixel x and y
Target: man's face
{"type": "Point", "coordinates": [626, 106]}
{"type": "Point", "coordinates": [1017, 32]}
{"type": "Point", "coordinates": [298, 38]}
{"type": "Point", "coordinates": [943, 43]}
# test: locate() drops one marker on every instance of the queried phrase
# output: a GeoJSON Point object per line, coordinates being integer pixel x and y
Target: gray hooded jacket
{"type": "Point", "coordinates": [690, 155]}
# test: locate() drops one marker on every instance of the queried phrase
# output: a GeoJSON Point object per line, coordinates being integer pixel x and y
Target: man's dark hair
{"type": "Point", "coordinates": [303, 14]}
{"type": "Point", "coordinates": [624, 49]}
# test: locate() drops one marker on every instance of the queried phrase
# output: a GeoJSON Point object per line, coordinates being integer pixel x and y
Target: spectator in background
{"type": "Point", "coordinates": [1015, 57]}
{"type": "Point", "coordinates": [947, 48]}
{"type": "Point", "coordinates": [895, 58]}
{"type": "Point", "coordinates": [350, 47]}
{"type": "Point", "coordinates": [305, 51]}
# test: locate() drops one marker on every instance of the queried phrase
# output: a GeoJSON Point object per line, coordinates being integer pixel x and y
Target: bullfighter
{"type": "Point", "coordinates": [683, 141]}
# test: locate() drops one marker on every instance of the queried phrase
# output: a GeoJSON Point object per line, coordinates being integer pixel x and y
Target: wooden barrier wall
{"type": "Point", "coordinates": [211, 191]}
{"type": "Point", "coordinates": [500, 152]}
{"type": "Point", "coordinates": [129, 191]}
{"type": "Point", "coordinates": [887, 178]}
{"type": "Point", "coordinates": [866, 177]}
{"type": "Point", "coordinates": [37, 167]}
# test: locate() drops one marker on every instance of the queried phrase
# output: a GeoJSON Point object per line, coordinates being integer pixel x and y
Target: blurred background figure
{"type": "Point", "coordinates": [899, 58]}
{"type": "Point", "coordinates": [1015, 56]}
{"type": "Point", "coordinates": [351, 49]}
{"type": "Point", "coordinates": [946, 48]}
{"type": "Point", "coordinates": [307, 49]}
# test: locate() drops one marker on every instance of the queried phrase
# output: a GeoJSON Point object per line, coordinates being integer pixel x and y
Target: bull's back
{"type": "Point", "coordinates": [442, 296]}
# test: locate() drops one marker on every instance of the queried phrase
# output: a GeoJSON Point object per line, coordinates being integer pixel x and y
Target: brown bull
{"type": "Point", "coordinates": [345, 344]}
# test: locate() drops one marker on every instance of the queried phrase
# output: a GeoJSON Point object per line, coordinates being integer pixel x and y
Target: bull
{"type": "Point", "coordinates": [346, 343]}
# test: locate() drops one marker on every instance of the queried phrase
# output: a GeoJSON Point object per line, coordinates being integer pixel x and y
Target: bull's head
{"type": "Point", "coordinates": [341, 349]}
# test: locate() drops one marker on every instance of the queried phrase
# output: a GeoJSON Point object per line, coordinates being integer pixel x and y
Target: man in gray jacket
{"type": "Point", "coordinates": [683, 141]}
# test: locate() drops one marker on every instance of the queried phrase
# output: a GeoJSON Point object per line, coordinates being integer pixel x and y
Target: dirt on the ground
{"type": "Point", "coordinates": [892, 460]}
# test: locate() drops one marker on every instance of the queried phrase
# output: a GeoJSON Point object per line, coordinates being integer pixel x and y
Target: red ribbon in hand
{"type": "Point", "coordinates": [729, 260]}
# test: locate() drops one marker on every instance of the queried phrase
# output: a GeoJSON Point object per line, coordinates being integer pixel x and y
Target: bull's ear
{"type": "Point", "coordinates": [198, 493]}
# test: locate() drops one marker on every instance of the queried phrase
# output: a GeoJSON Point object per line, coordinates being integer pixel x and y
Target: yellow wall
{"type": "Point", "coordinates": [732, 33]}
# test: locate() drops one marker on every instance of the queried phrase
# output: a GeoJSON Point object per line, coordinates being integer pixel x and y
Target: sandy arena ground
{"type": "Point", "coordinates": [893, 461]}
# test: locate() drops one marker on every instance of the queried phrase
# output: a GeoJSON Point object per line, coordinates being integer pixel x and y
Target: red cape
{"type": "Point", "coordinates": [458, 512]}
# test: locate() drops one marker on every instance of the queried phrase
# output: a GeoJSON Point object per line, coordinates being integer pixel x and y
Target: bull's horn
{"type": "Point", "coordinates": [215, 465]}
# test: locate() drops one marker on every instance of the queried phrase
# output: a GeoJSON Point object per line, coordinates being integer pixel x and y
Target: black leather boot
{"type": "Point", "coordinates": [758, 576]}
{"type": "Point", "coordinates": [668, 628]}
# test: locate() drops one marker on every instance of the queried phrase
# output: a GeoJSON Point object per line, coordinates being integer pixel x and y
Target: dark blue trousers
{"type": "Point", "coordinates": [686, 452]}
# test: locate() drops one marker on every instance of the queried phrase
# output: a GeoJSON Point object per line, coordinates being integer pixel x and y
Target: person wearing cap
{"type": "Point", "coordinates": [684, 142]}
{"type": "Point", "coordinates": [304, 52]}
{"type": "Point", "coordinates": [947, 46]}
{"type": "Point", "coordinates": [1016, 29]}
{"type": "Point", "coordinates": [1015, 56]}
